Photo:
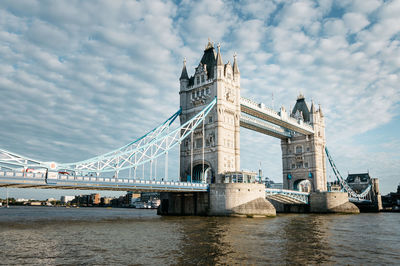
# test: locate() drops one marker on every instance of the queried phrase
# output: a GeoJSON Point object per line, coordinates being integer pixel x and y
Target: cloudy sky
{"type": "Point", "coordinates": [79, 78]}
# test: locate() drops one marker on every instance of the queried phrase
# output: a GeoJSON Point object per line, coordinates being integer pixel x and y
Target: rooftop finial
{"type": "Point", "coordinates": [209, 44]}
{"type": "Point", "coordinates": [235, 65]}
{"type": "Point", "coordinates": [184, 74]}
{"type": "Point", "coordinates": [219, 56]}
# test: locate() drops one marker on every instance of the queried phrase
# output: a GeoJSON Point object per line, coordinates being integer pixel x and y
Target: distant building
{"type": "Point", "coordinates": [105, 201]}
{"type": "Point", "coordinates": [94, 199]}
{"type": "Point", "coordinates": [271, 184]}
{"type": "Point", "coordinates": [66, 199]}
{"type": "Point", "coordinates": [149, 196]}
{"type": "Point", "coordinates": [87, 200]}
{"type": "Point", "coordinates": [21, 200]}
{"type": "Point", "coordinates": [359, 183]}
{"type": "Point", "coordinates": [131, 197]}
{"type": "Point", "coordinates": [392, 200]}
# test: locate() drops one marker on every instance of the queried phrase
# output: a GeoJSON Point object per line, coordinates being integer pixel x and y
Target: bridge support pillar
{"type": "Point", "coordinates": [331, 202]}
{"type": "Point", "coordinates": [183, 203]}
{"type": "Point", "coordinates": [223, 199]}
{"type": "Point", "coordinates": [239, 199]}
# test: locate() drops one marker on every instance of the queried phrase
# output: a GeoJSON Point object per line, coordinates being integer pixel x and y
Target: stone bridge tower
{"type": "Point", "coordinates": [303, 157]}
{"type": "Point", "coordinates": [212, 78]}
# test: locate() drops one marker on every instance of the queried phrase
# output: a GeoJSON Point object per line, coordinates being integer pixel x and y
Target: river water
{"type": "Point", "coordinates": [93, 236]}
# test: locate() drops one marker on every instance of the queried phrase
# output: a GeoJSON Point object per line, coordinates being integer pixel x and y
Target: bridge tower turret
{"type": "Point", "coordinates": [303, 157]}
{"type": "Point", "coordinates": [212, 78]}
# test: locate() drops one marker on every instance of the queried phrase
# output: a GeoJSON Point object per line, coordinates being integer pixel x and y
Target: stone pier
{"type": "Point", "coordinates": [232, 199]}
{"type": "Point", "coordinates": [331, 202]}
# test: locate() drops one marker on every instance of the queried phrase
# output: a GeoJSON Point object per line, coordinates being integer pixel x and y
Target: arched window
{"type": "Point", "coordinates": [299, 149]}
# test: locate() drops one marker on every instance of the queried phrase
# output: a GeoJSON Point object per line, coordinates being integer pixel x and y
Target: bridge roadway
{"type": "Point", "coordinates": [256, 116]}
{"type": "Point", "coordinates": [38, 180]}
{"type": "Point", "coordinates": [15, 179]}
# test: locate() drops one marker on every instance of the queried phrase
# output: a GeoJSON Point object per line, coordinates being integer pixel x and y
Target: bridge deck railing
{"type": "Point", "coordinates": [297, 195]}
{"type": "Point", "coordinates": [20, 177]}
{"type": "Point", "coordinates": [266, 110]}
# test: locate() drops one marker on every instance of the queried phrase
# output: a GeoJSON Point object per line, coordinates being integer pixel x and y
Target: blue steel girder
{"type": "Point", "coordinates": [294, 194]}
{"type": "Point", "coordinates": [143, 150]}
{"type": "Point", "coordinates": [143, 153]}
{"type": "Point", "coordinates": [42, 181]}
{"type": "Point", "coordinates": [352, 194]}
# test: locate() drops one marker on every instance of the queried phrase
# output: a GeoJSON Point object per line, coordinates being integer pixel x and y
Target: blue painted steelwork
{"type": "Point", "coordinates": [39, 180]}
{"type": "Point", "coordinates": [145, 149]}
{"type": "Point", "coordinates": [142, 153]}
{"type": "Point", "coordinates": [294, 194]}
{"type": "Point", "coordinates": [352, 194]}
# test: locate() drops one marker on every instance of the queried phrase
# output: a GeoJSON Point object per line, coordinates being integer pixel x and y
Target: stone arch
{"type": "Point", "coordinates": [198, 172]}
{"type": "Point", "coordinates": [303, 185]}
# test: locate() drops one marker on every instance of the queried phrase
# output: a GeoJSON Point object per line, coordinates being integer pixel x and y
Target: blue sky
{"type": "Point", "coordinates": [79, 78]}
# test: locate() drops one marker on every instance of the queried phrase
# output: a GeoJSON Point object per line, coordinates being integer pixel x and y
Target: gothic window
{"type": "Point", "coordinates": [299, 149]}
{"type": "Point", "coordinates": [202, 78]}
{"type": "Point", "coordinates": [193, 95]}
{"type": "Point", "coordinates": [198, 80]}
{"type": "Point", "coordinates": [306, 165]}
{"type": "Point", "coordinates": [202, 92]}
{"type": "Point", "coordinates": [208, 90]}
{"type": "Point", "coordinates": [198, 93]}
{"type": "Point", "coordinates": [210, 119]}
{"type": "Point", "coordinates": [299, 165]}
{"type": "Point", "coordinates": [308, 148]}
{"type": "Point", "coordinates": [293, 166]}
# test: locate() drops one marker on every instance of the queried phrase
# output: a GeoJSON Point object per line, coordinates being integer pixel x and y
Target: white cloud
{"type": "Point", "coordinates": [355, 22]}
{"type": "Point", "coordinates": [334, 27]}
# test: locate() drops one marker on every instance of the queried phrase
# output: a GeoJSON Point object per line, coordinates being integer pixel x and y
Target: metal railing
{"type": "Point", "coordinates": [297, 195]}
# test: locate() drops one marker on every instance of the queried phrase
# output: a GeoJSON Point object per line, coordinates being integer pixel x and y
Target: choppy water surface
{"type": "Point", "coordinates": [42, 235]}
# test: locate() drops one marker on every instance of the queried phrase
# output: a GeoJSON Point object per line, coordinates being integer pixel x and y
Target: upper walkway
{"type": "Point", "coordinates": [256, 116]}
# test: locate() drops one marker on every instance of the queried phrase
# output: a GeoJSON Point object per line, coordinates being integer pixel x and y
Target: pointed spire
{"type": "Point", "coordinates": [184, 74]}
{"type": "Point", "coordinates": [235, 65]}
{"type": "Point", "coordinates": [312, 110]}
{"type": "Point", "coordinates": [219, 56]}
{"type": "Point", "coordinates": [320, 110]}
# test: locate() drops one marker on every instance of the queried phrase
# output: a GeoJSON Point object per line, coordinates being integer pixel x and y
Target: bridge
{"type": "Point", "coordinates": [208, 140]}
